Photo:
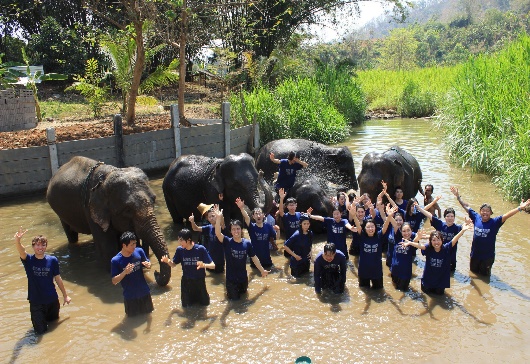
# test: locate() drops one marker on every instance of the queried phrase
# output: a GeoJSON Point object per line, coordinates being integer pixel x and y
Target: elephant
{"type": "Point", "coordinates": [396, 167]}
{"type": "Point", "coordinates": [195, 179]}
{"type": "Point", "coordinates": [91, 197]}
{"type": "Point", "coordinates": [308, 193]}
{"type": "Point", "coordinates": [332, 166]}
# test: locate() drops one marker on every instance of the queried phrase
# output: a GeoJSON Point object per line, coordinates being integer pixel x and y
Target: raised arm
{"type": "Point", "coordinates": [414, 243]}
{"type": "Point", "coordinates": [455, 192]}
{"type": "Point", "coordinates": [241, 204]}
{"type": "Point", "coordinates": [274, 160]}
{"type": "Point", "coordinates": [355, 219]}
{"type": "Point", "coordinates": [281, 208]}
{"type": "Point", "coordinates": [465, 227]}
{"type": "Point", "coordinates": [522, 206]}
{"type": "Point", "coordinates": [194, 226]}
{"type": "Point", "coordinates": [433, 203]}
{"type": "Point", "coordinates": [424, 211]}
{"type": "Point", "coordinates": [390, 216]}
{"type": "Point", "coordinates": [301, 162]}
{"type": "Point", "coordinates": [20, 248]}
{"type": "Point", "coordinates": [218, 218]}
{"type": "Point", "coordinates": [314, 217]}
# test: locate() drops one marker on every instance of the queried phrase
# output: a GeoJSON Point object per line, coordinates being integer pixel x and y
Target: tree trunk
{"type": "Point", "coordinates": [137, 73]}
{"type": "Point", "coordinates": [182, 64]}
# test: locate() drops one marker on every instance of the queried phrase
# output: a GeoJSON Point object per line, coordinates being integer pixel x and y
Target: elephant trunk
{"type": "Point", "coordinates": [149, 231]}
{"type": "Point", "coordinates": [264, 194]}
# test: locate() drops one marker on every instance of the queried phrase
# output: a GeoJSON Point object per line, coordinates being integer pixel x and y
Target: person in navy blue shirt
{"type": "Point", "coordinates": [127, 268]}
{"type": "Point", "coordinates": [298, 247]}
{"type": "Point", "coordinates": [212, 245]}
{"type": "Point", "coordinates": [437, 273]}
{"type": "Point", "coordinates": [330, 270]}
{"type": "Point", "coordinates": [236, 249]}
{"type": "Point", "coordinates": [41, 270]}
{"type": "Point", "coordinates": [485, 233]}
{"type": "Point", "coordinates": [336, 229]}
{"type": "Point", "coordinates": [194, 259]}
{"type": "Point", "coordinates": [262, 235]}
{"type": "Point", "coordinates": [287, 170]}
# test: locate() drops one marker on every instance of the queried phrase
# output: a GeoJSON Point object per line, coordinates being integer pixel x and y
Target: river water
{"type": "Point", "coordinates": [282, 319]}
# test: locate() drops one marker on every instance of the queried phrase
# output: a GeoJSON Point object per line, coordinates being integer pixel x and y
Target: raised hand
{"type": "Point", "coordinates": [19, 234]}
{"type": "Point", "coordinates": [454, 190]}
{"type": "Point", "coordinates": [282, 193]}
{"type": "Point", "coordinates": [240, 203]}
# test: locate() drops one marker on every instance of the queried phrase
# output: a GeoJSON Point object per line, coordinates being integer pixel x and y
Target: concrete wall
{"type": "Point", "coordinates": [28, 170]}
{"type": "Point", "coordinates": [17, 110]}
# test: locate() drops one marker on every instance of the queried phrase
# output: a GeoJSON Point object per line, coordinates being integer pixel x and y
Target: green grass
{"type": "Point", "coordinates": [487, 117]}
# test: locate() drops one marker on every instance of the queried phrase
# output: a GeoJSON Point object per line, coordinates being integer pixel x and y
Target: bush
{"type": "Point", "coordinates": [415, 102]}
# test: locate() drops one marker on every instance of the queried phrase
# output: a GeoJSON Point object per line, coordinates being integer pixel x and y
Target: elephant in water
{"type": "Point", "coordinates": [195, 179]}
{"type": "Point", "coordinates": [396, 167]}
{"type": "Point", "coordinates": [94, 198]}
{"type": "Point", "coordinates": [332, 166]}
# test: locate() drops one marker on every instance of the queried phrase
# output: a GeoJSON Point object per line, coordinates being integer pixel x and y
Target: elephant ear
{"type": "Point", "coordinates": [98, 205]}
{"type": "Point", "coordinates": [216, 179]}
{"type": "Point", "coordinates": [399, 176]}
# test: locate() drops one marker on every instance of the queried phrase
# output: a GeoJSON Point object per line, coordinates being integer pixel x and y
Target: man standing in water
{"type": "Point", "coordinates": [485, 233]}
{"type": "Point", "coordinates": [41, 270]}
{"type": "Point", "coordinates": [287, 170]}
{"type": "Point", "coordinates": [126, 268]}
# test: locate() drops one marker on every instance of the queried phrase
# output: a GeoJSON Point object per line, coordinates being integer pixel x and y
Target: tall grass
{"type": "Point", "coordinates": [392, 89]}
{"type": "Point", "coordinates": [487, 117]}
{"type": "Point", "coordinates": [297, 108]}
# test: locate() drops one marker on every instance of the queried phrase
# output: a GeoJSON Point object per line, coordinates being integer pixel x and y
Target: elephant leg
{"type": "Point", "coordinates": [72, 235]}
{"type": "Point", "coordinates": [106, 243]}
{"type": "Point", "coordinates": [177, 219]}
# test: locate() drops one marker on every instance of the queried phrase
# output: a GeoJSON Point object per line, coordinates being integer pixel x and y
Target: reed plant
{"type": "Point", "coordinates": [486, 117]}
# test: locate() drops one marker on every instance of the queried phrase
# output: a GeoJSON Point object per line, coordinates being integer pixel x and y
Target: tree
{"type": "Point", "coordinates": [399, 49]}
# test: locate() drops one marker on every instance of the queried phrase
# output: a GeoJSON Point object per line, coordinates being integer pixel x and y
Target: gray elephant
{"type": "Point", "coordinates": [333, 167]}
{"type": "Point", "coordinates": [194, 179]}
{"type": "Point", "coordinates": [308, 194]}
{"type": "Point", "coordinates": [396, 167]}
{"type": "Point", "coordinates": [94, 198]}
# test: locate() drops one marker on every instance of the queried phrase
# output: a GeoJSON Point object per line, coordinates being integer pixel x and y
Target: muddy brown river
{"type": "Point", "coordinates": [281, 319]}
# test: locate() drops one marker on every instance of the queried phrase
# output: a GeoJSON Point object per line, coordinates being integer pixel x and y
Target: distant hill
{"type": "Point", "coordinates": [443, 11]}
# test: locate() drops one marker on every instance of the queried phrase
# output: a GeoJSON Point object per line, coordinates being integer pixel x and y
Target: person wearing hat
{"type": "Point", "coordinates": [330, 270]}
{"type": "Point", "coordinates": [236, 249]}
{"type": "Point", "coordinates": [214, 249]}
{"type": "Point", "coordinates": [261, 234]}
{"type": "Point", "coordinates": [298, 246]}
{"type": "Point", "coordinates": [287, 170]}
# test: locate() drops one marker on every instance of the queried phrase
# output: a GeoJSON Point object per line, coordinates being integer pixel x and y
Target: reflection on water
{"type": "Point", "coordinates": [281, 318]}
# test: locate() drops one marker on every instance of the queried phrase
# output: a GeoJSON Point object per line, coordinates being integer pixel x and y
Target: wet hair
{"type": "Point", "coordinates": [410, 204]}
{"type": "Point", "coordinates": [304, 216]}
{"type": "Point", "coordinates": [433, 234]}
{"type": "Point", "coordinates": [184, 234]}
{"type": "Point", "coordinates": [127, 237]}
{"type": "Point", "coordinates": [330, 247]}
{"type": "Point", "coordinates": [486, 205]}
{"type": "Point", "coordinates": [449, 210]}
{"type": "Point", "coordinates": [351, 195]}
{"type": "Point", "coordinates": [236, 222]}
{"type": "Point", "coordinates": [397, 188]}
{"type": "Point", "coordinates": [431, 186]}
{"type": "Point", "coordinates": [40, 239]}
{"type": "Point", "coordinates": [257, 210]}
{"type": "Point", "coordinates": [405, 223]}
{"type": "Point", "coordinates": [370, 220]}
{"type": "Point", "coordinates": [399, 214]}
{"type": "Point", "coordinates": [290, 200]}
{"type": "Point", "coordinates": [291, 155]}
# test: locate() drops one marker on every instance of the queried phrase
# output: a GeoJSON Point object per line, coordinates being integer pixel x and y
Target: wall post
{"type": "Point", "coordinates": [175, 125]}
{"type": "Point", "coordinates": [225, 108]}
{"type": "Point", "coordinates": [52, 147]}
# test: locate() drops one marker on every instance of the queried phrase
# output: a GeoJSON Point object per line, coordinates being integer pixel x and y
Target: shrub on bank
{"type": "Point", "coordinates": [487, 117]}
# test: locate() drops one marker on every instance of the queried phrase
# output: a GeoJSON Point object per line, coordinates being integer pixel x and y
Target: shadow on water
{"type": "Point", "coordinates": [489, 281]}
{"type": "Point", "coordinates": [378, 296]}
{"type": "Point", "coordinates": [192, 315]}
{"type": "Point", "coordinates": [240, 306]}
{"type": "Point", "coordinates": [127, 327]}
{"type": "Point", "coordinates": [29, 339]}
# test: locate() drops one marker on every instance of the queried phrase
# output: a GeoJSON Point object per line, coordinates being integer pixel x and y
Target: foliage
{"type": "Point", "coordinates": [384, 89]}
{"type": "Point", "coordinates": [414, 102]}
{"type": "Point", "coordinates": [146, 100]}
{"type": "Point", "coordinates": [6, 75]}
{"type": "Point", "coordinates": [487, 117]}
{"type": "Point", "coordinates": [88, 86]}
{"type": "Point", "coordinates": [397, 52]}
{"type": "Point", "coordinates": [298, 108]}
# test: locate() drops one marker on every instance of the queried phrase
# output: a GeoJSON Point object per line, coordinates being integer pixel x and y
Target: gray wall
{"type": "Point", "coordinates": [17, 110]}
{"type": "Point", "coordinates": [28, 170]}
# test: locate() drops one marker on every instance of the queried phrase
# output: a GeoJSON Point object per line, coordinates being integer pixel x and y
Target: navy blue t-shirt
{"type": "Point", "coordinates": [394, 238]}
{"type": "Point", "coordinates": [448, 233]}
{"type": "Point", "coordinates": [414, 220]}
{"type": "Point", "coordinates": [260, 238]}
{"type": "Point", "coordinates": [337, 233]}
{"type": "Point", "coordinates": [484, 236]}
{"type": "Point", "coordinates": [338, 265]}
{"type": "Point", "coordinates": [370, 266]}
{"type": "Point", "coordinates": [134, 284]}
{"type": "Point", "coordinates": [40, 273]}
{"type": "Point", "coordinates": [437, 272]}
{"type": "Point", "coordinates": [236, 259]}
{"type": "Point", "coordinates": [402, 261]}
{"type": "Point", "coordinates": [301, 245]}
{"type": "Point", "coordinates": [291, 223]}
{"type": "Point", "coordinates": [287, 174]}
{"type": "Point", "coordinates": [189, 259]}
{"type": "Point", "coordinates": [215, 249]}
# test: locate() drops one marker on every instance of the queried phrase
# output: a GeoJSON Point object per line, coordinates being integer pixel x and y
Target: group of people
{"type": "Point", "coordinates": [392, 228]}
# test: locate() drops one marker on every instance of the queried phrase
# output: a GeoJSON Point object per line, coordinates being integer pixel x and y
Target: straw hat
{"type": "Point", "coordinates": [203, 208]}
